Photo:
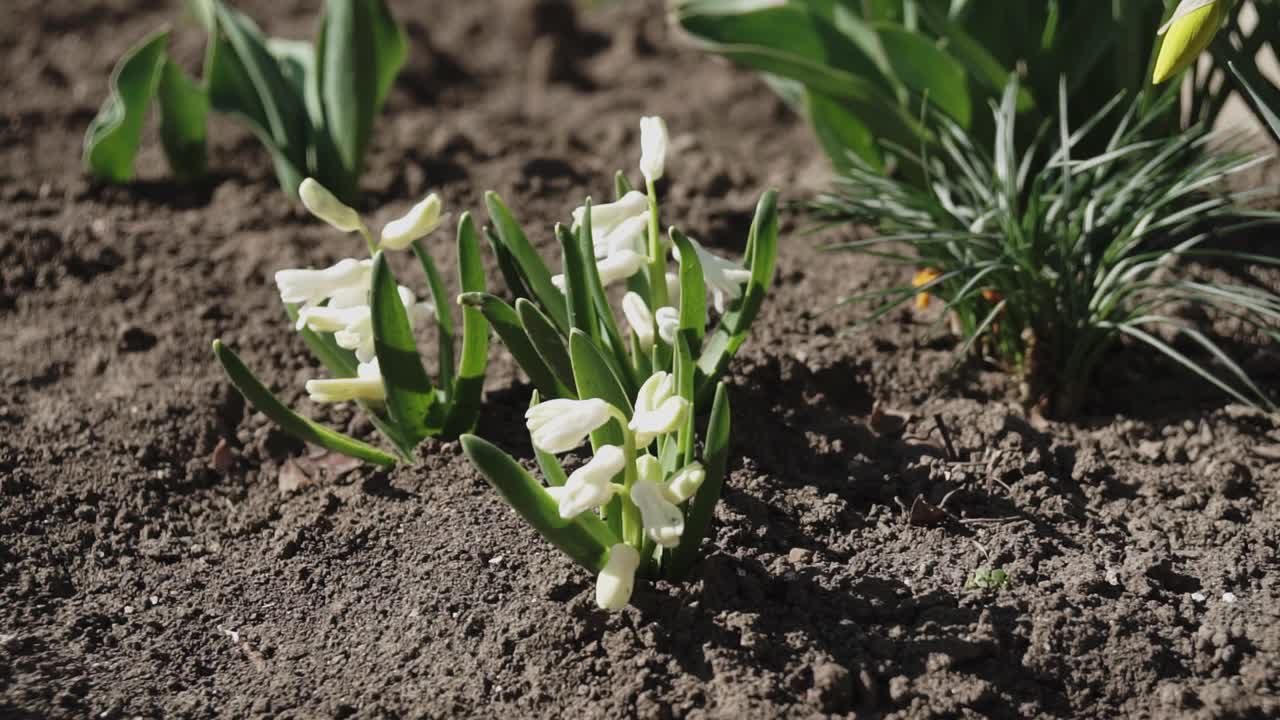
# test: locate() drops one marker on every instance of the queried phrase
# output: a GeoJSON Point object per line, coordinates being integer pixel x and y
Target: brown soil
{"type": "Point", "coordinates": [147, 573]}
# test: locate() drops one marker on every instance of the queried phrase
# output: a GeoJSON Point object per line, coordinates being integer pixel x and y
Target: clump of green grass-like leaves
{"type": "Point", "coordinates": [1046, 260]}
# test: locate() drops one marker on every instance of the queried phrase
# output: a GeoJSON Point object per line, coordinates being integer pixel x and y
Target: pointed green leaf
{"type": "Point", "coordinates": [339, 361]}
{"type": "Point", "coordinates": [621, 185]}
{"type": "Point", "coordinates": [595, 379]}
{"type": "Point", "coordinates": [112, 140]}
{"type": "Point", "coordinates": [576, 284]}
{"type": "Point", "coordinates": [268, 404]}
{"type": "Point", "coordinates": [606, 324]}
{"type": "Point", "coordinates": [585, 538]}
{"type": "Point", "coordinates": [1265, 98]}
{"type": "Point", "coordinates": [444, 315]}
{"type": "Point", "coordinates": [411, 400]}
{"type": "Point", "coordinates": [546, 340]}
{"type": "Point", "coordinates": [469, 385]}
{"type": "Point", "coordinates": [693, 289]}
{"type": "Point", "coordinates": [507, 324]}
{"type": "Point", "coordinates": [507, 266]}
{"type": "Point", "coordinates": [702, 507]}
{"type": "Point", "coordinates": [533, 271]}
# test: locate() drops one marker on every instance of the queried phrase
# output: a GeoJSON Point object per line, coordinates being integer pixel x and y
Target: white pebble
{"type": "Point", "coordinates": [1228, 597]}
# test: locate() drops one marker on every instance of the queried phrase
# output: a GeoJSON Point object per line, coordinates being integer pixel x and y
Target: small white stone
{"type": "Point", "coordinates": [1198, 597]}
{"type": "Point", "coordinates": [1228, 597]}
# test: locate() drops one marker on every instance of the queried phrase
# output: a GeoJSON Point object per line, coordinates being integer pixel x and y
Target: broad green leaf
{"type": "Point", "coordinates": [577, 284]}
{"type": "Point", "coordinates": [444, 315]}
{"type": "Point", "coordinates": [469, 385]}
{"type": "Point", "coordinates": [715, 459]}
{"type": "Point", "coordinates": [268, 404]}
{"type": "Point", "coordinates": [411, 400]}
{"type": "Point", "coordinates": [840, 132]}
{"type": "Point", "coordinates": [507, 324]}
{"type": "Point", "coordinates": [546, 340]}
{"type": "Point", "coordinates": [358, 53]}
{"type": "Point", "coordinates": [112, 140]}
{"type": "Point", "coordinates": [594, 377]}
{"type": "Point", "coordinates": [585, 538]}
{"type": "Point", "coordinates": [244, 78]}
{"type": "Point", "coordinates": [533, 271]}
{"type": "Point", "coordinates": [184, 108]}
{"type": "Point", "coordinates": [927, 71]}
{"type": "Point", "coordinates": [984, 67]}
{"type": "Point", "coordinates": [507, 266]}
{"type": "Point", "coordinates": [693, 289]}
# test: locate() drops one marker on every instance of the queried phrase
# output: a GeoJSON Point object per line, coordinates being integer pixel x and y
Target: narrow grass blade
{"type": "Point", "coordinates": [585, 538]}
{"type": "Point", "coordinates": [268, 404]}
{"type": "Point", "coordinates": [507, 324]}
{"type": "Point", "coordinates": [411, 399]}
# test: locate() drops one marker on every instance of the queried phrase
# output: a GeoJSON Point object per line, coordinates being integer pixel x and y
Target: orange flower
{"type": "Point", "coordinates": [924, 277]}
{"type": "Point", "coordinates": [991, 296]}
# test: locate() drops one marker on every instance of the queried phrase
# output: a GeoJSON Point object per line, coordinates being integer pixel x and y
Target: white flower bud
{"type": "Point", "coordinates": [663, 521]}
{"type": "Point", "coordinates": [685, 482]}
{"type": "Point", "coordinates": [648, 468]}
{"type": "Point", "coordinates": [307, 286]}
{"type": "Point", "coordinates": [668, 319]}
{"type": "Point", "coordinates": [367, 385]}
{"type": "Point", "coordinates": [653, 147]}
{"type": "Point", "coordinates": [418, 222]}
{"type": "Point", "coordinates": [561, 425]}
{"type": "Point", "coordinates": [321, 203]}
{"type": "Point", "coordinates": [628, 235]}
{"type": "Point", "coordinates": [658, 409]}
{"type": "Point", "coordinates": [673, 289]}
{"type": "Point", "coordinates": [590, 486]}
{"type": "Point", "coordinates": [639, 318]}
{"type": "Point", "coordinates": [618, 266]}
{"type": "Point", "coordinates": [723, 278]}
{"type": "Point", "coordinates": [618, 578]}
{"type": "Point", "coordinates": [607, 217]}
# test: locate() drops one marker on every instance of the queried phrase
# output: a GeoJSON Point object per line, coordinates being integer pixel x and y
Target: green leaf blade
{"type": "Point", "coordinates": [111, 143]}
{"type": "Point", "coordinates": [411, 399]}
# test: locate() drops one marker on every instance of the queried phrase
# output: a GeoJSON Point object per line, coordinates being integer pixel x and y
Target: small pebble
{"type": "Point", "coordinates": [1198, 597]}
{"type": "Point", "coordinates": [1228, 597]}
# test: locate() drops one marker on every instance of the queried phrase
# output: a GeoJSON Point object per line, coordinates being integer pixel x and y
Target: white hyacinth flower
{"type": "Point", "coordinates": [619, 266]}
{"type": "Point", "coordinates": [560, 425]}
{"type": "Point", "coordinates": [352, 325]}
{"type": "Point", "coordinates": [653, 147]}
{"type": "Point", "coordinates": [723, 277]}
{"type": "Point", "coordinates": [367, 385]}
{"type": "Point", "coordinates": [618, 578]}
{"type": "Point", "coordinates": [639, 318]}
{"type": "Point", "coordinates": [322, 203]}
{"type": "Point", "coordinates": [673, 289]}
{"type": "Point", "coordinates": [420, 221]}
{"type": "Point", "coordinates": [590, 486]}
{"type": "Point", "coordinates": [658, 409]}
{"type": "Point", "coordinates": [663, 521]}
{"type": "Point", "coordinates": [308, 286]}
{"type": "Point", "coordinates": [607, 217]}
{"type": "Point", "coordinates": [648, 468]}
{"type": "Point", "coordinates": [685, 482]}
{"type": "Point", "coordinates": [628, 235]}
{"type": "Point", "coordinates": [668, 319]}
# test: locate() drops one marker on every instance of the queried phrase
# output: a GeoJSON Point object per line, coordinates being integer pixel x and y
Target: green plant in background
{"type": "Point", "coordinates": [313, 106]}
{"type": "Point", "coordinates": [1193, 28]}
{"type": "Point", "coordinates": [359, 323]}
{"type": "Point", "coordinates": [862, 70]}
{"type": "Point", "coordinates": [1045, 269]}
{"type": "Point", "coordinates": [644, 501]}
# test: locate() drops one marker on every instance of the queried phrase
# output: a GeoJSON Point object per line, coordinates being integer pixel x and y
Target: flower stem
{"type": "Point", "coordinates": [657, 268]}
{"type": "Point", "coordinates": [632, 522]}
{"type": "Point", "coordinates": [368, 240]}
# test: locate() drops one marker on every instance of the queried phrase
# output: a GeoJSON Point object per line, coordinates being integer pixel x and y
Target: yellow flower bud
{"type": "Point", "coordinates": [1187, 34]}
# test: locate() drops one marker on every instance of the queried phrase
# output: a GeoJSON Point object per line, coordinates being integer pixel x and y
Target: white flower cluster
{"type": "Point", "coordinates": [557, 426]}
{"type": "Point", "coordinates": [336, 299]}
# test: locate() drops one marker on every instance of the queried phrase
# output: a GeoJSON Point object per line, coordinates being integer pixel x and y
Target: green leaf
{"type": "Point", "coordinates": [621, 185]}
{"type": "Point", "coordinates": [444, 314]}
{"type": "Point", "coordinates": [840, 132]}
{"type": "Point", "coordinates": [585, 538]}
{"type": "Point", "coordinates": [594, 377]}
{"type": "Point", "coordinates": [731, 333]}
{"type": "Point", "coordinates": [577, 284]}
{"type": "Point", "coordinates": [507, 266]}
{"type": "Point", "coordinates": [927, 71]}
{"type": "Point", "coordinates": [533, 271]}
{"type": "Point", "coordinates": [693, 289]}
{"type": "Point", "coordinates": [359, 52]}
{"type": "Point", "coordinates": [1265, 98]}
{"type": "Point", "coordinates": [411, 400]}
{"type": "Point", "coordinates": [268, 404]}
{"type": "Point", "coordinates": [600, 301]}
{"type": "Point", "coordinates": [702, 506]}
{"type": "Point", "coordinates": [184, 108]}
{"type": "Point", "coordinates": [546, 340]}
{"type": "Point", "coordinates": [469, 385]}
{"type": "Point", "coordinates": [339, 361]}
{"type": "Point", "coordinates": [683, 368]}
{"type": "Point", "coordinates": [112, 140]}
{"type": "Point", "coordinates": [507, 324]}
{"type": "Point", "coordinates": [246, 79]}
